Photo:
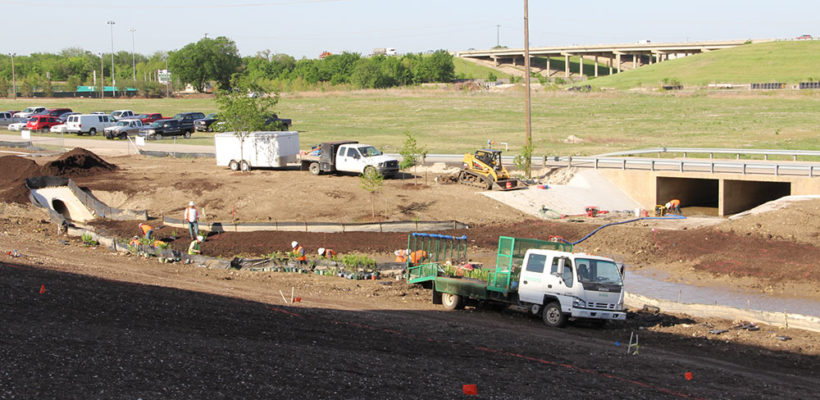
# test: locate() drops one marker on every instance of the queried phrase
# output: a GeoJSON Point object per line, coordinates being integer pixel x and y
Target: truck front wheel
{"type": "Point", "coordinates": [451, 301]}
{"type": "Point", "coordinates": [314, 168]}
{"type": "Point", "coordinates": [553, 316]}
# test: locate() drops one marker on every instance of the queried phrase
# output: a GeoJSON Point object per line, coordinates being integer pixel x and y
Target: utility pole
{"type": "Point", "coordinates": [113, 75]}
{"type": "Point", "coordinates": [498, 36]}
{"type": "Point", "coordinates": [528, 162]}
{"type": "Point", "coordinates": [102, 77]}
{"type": "Point", "coordinates": [13, 76]}
{"type": "Point", "coordinates": [133, 57]}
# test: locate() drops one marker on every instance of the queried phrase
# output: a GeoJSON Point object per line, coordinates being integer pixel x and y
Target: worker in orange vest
{"type": "Point", "coordinates": [135, 241]}
{"type": "Point", "coordinates": [146, 230]}
{"type": "Point", "coordinates": [417, 256]}
{"type": "Point", "coordinates": [326, 253]}
{"type": "Point", "coordinates": [401, 255]}
{"type": "Point", "coordinates": [298, 252]}
{"type": "Point", "coordinates": [673, 207]}
{"type": "Point", "coordinates": [192, 220]}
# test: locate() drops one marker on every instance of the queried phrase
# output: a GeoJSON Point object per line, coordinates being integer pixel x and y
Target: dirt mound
{"type": "Point", "coordinates": [13, 179]}
{"type": "Point", "coordinates": [803, 225]}
{"type": "Point", "coordinates": [78, 162]}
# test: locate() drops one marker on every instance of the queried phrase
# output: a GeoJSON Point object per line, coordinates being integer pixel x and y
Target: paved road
{"type": "Point", "coordinates": [107, 147]}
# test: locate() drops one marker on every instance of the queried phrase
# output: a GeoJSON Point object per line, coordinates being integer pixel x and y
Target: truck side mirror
{"type": "Point", "coordinates": [560, 270]}
{"type": "Point", "coordinates": [621, 270]}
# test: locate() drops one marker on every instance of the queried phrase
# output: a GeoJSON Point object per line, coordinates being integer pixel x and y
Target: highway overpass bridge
{"type": "Point", "coordinates": [605, 59]}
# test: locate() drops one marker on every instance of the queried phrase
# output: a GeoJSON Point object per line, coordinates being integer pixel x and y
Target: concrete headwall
{"type": "Point", "coordinates": [734, 192]}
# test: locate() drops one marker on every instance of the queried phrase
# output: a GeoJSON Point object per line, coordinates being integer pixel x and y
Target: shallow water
{"type": "Point", "coordinates": [656, 287]}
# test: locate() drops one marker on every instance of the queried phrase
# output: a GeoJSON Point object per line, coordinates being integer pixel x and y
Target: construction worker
{"type": "Point", "coordinates": [146, 230]}
{"type": "Point", "coordinates": [298, 252]}
{"type": "Point", "coordinates": [193, 248]}
{"type": "Point", "coordinates": [326, 253]}
{"type": "Point", "coordinates": [673, 207]}
{"type": "Point", "coordinates": [192, 220]}
{"type": "Point", "coordinates": [135, 241]}
{"type": "Point", "coordinates": [401, 255]}
{"type": "Point", "coordinates": [417, 256]}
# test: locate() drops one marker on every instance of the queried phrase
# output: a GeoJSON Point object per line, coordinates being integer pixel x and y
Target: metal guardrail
{"type": "Point", "coordinates": [712, 151]}
{"type": "Point", "coordinates": [733, 167]}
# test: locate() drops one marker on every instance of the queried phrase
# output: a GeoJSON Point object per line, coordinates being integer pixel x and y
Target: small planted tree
{"type": "Point", "coordinates": [523, 160]}
{"type": "Point", "coordinates": [241, 113]}
{"type": "Point", "coordinates": [412, 154]}
{"type": "Point", "coordinates": [371, 181]}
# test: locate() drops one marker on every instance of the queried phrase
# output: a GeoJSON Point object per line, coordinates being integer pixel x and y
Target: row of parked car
{"type": "Point", "coordinates": [118, 124]}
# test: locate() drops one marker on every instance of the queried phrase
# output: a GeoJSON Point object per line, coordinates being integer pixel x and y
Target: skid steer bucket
{"type": "Point", "coordinates": [510, 184]}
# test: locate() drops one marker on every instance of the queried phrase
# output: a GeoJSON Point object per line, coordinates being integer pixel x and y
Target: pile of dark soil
{"type": "Point", "coordinates": [13, 178]}
{"type": "Point", "coordinates": [76, 163]}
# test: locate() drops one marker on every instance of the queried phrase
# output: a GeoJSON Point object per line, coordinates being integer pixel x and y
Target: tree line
{"type": "Point", "coordinates": [217, 60]}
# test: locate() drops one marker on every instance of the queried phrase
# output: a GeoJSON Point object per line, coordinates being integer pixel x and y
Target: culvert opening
{"type": "Point", "coordinates": [697, 196]}
{"type": "Point", "coordinates": [739, 196]}
{"type": "Point", "coordinates": [60, 207]}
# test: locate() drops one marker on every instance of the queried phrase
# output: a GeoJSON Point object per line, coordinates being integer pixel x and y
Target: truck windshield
{"type": "Point", "coordinates": [598, 271]}
{"type": "Point", "coordinates": [369, 151]}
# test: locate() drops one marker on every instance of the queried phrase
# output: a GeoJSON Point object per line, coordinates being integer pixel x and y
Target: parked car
{"type": "Point", "coordinates": [117, 115]}
{"type": "Point", "coordinates": [98, 113]}
{"type": "Point", "coordinates": [29, 111]}
{"type": "Point", "coordinates": [88, 123]}
{"type": "Point", "coordinates": [163, 128]}
{"type": "Point", "coordinates": [61, 128]}
{"type": "Point", "coordinates": [123, 129]}
{"type": "Point", "coordinates": [148, 118]}
{"type": "Point", "coordinates": [7, 118]}
{"type": "Point", "coordinates": [41, 123]}
{"type": "Point", "coordinates": [273, 122]}
{"type": "Point", "coordinates": [57, 112]}
{"type": "Point", "coordinates": [63, 118]}
{"type": "Point", "coordinates": [17, 126]}
{"type": "Point", "coordinates": [204, 124]}
{"type": "Point", "coordinates": [186, 121]}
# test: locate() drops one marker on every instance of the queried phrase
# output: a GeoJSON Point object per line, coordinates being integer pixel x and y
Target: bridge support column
{"type": "Point", "coordinates": [596, 66]}
{"type": "Point", "coordinates": [634, 61]}
{"type": "Point", "coordinates": [610, 65]}
{"type": "Point", "coordinates": [495, 60]}
{"type": "Point", "coordinates": [566, 65]}
{"type": "Point", "coordinates": [618, 61]}
{"type": "Point", "coordinates": [548, 66]}
{"type": "Point", "coordinates": [581, 66]}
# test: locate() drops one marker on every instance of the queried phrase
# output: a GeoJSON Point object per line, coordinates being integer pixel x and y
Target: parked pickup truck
{"type": "Point", "coordinates": [544, 278]}
{"type": "Point", "coordinates": [186, 121]}
{"type": "Point", "coordinates": [348, 156]}
{"type": "Point", "coordinates": [123, 129]}
{"type": "Point", "coordinates": [163, 128]}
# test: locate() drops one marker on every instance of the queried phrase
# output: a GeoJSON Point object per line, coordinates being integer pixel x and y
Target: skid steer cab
{"type": "Point", "coordinates": [484, 169]}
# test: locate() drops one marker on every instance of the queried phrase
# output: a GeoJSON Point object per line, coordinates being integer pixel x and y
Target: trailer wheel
{"type": "Point", "coordinates": [553, 316]}
{"type": "Point", "coordinates": [244, 166]}
{"type": "Point", "coordinates": [451, 301]}
{"type": "Point", "coordinates": [314, 168]}
{"type": "Point", "coordinates": [233, 165]}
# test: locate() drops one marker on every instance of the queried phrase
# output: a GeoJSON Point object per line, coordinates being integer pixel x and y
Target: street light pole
{"type": "Point", "coordinates": [113, 75]}
{"type": "Point", "coordinates": [498, 36]}
{"type": "Point", "coordinates": [13, 76]}
{"type": "Point", "coordinates": [102, 77]}
{"type": "Point", "coordinates": [133, 57]}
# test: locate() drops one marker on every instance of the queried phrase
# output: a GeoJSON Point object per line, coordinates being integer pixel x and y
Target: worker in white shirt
{"type": "Point", "coordinates": [192, 219]}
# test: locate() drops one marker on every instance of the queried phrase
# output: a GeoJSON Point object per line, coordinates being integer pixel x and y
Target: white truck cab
{"type": "Point", "coordinates": [356, 158]}
{"type": "Point", "coordinates": [573, 285]}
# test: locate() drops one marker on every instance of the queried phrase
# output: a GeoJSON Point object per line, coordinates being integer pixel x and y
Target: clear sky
{"type": "Point", "coordinates": [305, 28]}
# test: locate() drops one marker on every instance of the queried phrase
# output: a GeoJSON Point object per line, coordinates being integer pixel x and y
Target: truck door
{"type": "Point", "coordinates": [348, 159]}
{"type": "Point", "coordinates": [532, 282]}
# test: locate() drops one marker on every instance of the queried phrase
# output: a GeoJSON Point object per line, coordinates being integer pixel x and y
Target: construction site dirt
{"type": "Point", "coordinates": [87, 322]}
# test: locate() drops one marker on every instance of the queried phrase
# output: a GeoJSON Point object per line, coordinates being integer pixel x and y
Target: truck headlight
{"type": "Point", "coordinates": [381, 165]}
{"type": "Point", "coordinates": [579, 303]}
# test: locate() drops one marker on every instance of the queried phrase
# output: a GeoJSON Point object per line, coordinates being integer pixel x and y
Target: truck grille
{"type": "Point", "coordinates": [605, 306]}
{"type": "Point", "coordinates": [391, 164]}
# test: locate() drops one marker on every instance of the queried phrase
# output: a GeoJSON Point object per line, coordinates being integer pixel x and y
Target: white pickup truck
{"type": "Point", "coordinates": [349, 156]}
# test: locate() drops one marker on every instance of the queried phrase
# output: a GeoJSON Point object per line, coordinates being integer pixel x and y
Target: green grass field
{"type": "Point", "coordinates": [788, 62]}
{"type": "Point", "coordinates": [455, 121]}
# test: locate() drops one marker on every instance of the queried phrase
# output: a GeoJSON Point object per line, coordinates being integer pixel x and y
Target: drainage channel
{"type": "Point", "coordinates": [654, 287]}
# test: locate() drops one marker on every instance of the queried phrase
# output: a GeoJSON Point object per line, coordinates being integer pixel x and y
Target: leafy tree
{"type": "Point", "coordinates": [371, 181]}
{"type": "Point", "coordinates": [523, 160]}
{"type": "Point", "coordinates": [491, 77]}
{"type": "Point", "coordinates": [412, 154]}
{"type": "Point", "coordinates": [4, 87]}
{"type": "Point", "coordinates": [208, 59]}
{"type": "Point", "coordinates": [242, 114]}
{"type": "Point", "coordinates": [72, 82]}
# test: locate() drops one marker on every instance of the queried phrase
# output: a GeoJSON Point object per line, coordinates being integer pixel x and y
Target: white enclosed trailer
{"type": "Point", "coordinates": [268, 149]}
